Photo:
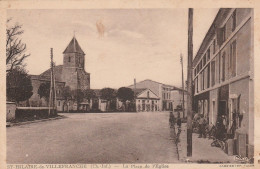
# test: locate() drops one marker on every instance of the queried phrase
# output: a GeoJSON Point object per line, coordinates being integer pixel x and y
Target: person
{"type": "Point", "coordinates": [172, 120]}
{"type": "Point", "coordinates": [202, 127]}
{"type": "Point", "coordinates": [179, 120]}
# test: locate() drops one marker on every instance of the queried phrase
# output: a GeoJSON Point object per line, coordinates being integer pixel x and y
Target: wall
{"type": "Point", "coordinates": [10, 111]}
{"type": "Point", "coordinates": [237, 88]}
{"type": "Point", "coordinates": [213, 112]}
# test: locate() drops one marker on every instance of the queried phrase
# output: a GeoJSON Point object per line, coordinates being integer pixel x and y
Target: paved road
{"type": "Point", "coordinates": [94, 138]}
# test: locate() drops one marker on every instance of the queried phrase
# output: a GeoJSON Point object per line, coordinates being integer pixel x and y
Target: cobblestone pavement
{"type": "Point", "coordinates": [94, 138]}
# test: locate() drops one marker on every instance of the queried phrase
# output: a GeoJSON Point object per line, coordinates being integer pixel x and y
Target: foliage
{"type": "Point", "coordinates": [44, 90]}
{"type": "Point", "coordinates": [107, 94]}
{"type": "Point", "coordinates": [66, 93]}
{"type": "Point", "coordinates": [77, 95]}
{"type": "Point", "coordinates": [18, 85]}
{"type": "Point", "coordinates": [125, 94]}
{"type": "Point", "coordinates": [89, 94]}
{"type": "Point", "coordinates": [15, 48]}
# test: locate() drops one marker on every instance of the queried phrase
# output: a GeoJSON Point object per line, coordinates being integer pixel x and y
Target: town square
{"type": "Point", "coordinates": [108, 86]}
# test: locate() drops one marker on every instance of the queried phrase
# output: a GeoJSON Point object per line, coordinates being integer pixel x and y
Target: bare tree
{"type": "Point", "coordinates": [15, 48]}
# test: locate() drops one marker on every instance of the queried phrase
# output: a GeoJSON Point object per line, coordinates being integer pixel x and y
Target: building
{"type": "Point", "coordinates": [146, 100]}
{"type": "Point", "coordinates": [224, 75]}
{"type": "Point", "coordinates": [72, 73]}
{"type": "Point", "coordinates": [177, 96]}
{"type": "Point", "coordinates": [163, 91]}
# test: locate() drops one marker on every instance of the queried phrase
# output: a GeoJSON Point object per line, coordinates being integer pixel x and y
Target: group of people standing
{"type": "Point", "coordinates": [202, 124]}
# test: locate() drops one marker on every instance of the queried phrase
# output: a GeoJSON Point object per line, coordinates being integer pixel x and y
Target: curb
{"type": "Point", "coordinates": [9, 124]}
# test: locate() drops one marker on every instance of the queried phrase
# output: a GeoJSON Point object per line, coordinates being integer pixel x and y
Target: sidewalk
{"type": "Point", "coordinates": [202, 152]}
{"type": "Point", "coordinates": [10, 124]}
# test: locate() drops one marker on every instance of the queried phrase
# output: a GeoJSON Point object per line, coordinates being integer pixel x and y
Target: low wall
{"type": "Point", "coordinates": [30, 113]}
{"type": "Point", "coordinates": [10, 111]}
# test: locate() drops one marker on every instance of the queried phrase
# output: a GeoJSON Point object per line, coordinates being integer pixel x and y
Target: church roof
{"type": "Point", "coordinates": [47, 74]}
{"type": "Point", "coordinates": [73, 47]}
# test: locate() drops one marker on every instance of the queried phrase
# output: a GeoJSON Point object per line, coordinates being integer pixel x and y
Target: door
{"type": "Point", "coordinates": [222, 108]}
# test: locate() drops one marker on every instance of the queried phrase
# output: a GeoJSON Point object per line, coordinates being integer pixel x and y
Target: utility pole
{"type": "Point", "coordinates": [52, 97]}
{"type": "Point", "coordinates": [189, 86]}
{"type": "Point", "coordinates": [183, 109]}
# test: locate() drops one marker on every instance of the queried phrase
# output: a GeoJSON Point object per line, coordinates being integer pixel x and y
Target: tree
{"type": "Point", "coordinates": [78, 95]}
{"type": "Point", "coordinates": [66, 93]}
{"type": "Point", "coordinates": [44, 91]}
{"type": "Point", "coordinates": [89, 94]}
{"type": "Point", "coordinates": [18, 85]}
{"type": "Point", "coordinates": [108, 94]}
{"type": "Point", "coordinates": [15, 48]}
{"type": "Point", "coordinates": [125, 94]}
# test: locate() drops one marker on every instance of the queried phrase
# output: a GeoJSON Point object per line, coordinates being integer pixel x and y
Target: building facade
{"type": "Point", "coordinates": [146, 100]}
{"type": "Point", "coordinates": [223, 75]}
{"type": "Point", "coordinates": [163, 91]}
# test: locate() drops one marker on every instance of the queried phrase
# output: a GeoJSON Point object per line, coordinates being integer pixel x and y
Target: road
{"type": "Point", "coordinates": [94, 138]}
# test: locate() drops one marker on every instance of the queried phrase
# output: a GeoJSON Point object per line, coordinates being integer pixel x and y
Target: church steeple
{"type": "Point", "coordinates": [73, 70]}
{"type": "Point", "coordinates": [73, 55]}
{"type": "Point", "coordinates": [73, 47]}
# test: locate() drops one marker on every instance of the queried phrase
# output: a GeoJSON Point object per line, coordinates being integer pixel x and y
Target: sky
{"type": "Point", "coordinates": [120, 44]}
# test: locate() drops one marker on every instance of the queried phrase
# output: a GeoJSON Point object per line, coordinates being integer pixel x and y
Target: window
{"type": "Point", "coordinates": [224, 33]}
{"type": "Point", "coordinates": [214, 46]}
{"type": "Point", "coordinates": [58, 103]}
{"type": "Point", "coordinates": [213, 111]}
{"type": "Point", "coordinates": [204, 60]}
{"type": "Point", "coordinates": [232, 59]}
{"type": "Point", "coordinates": [69, 58]}
{"type": "Point", "coordinates": [148, 94]}
{"type": "Point", "coordinates": [223, 67]}
{"type": "Point", "coordinates": [208, 54]}
{"type": "Point", "coordinates": [234, 21]}
{"type": "Point", "coordinates": [212, 73]}
{"type": "Point", "coordinates": [197, 85]}
{"type": "Point", "coordinates": [202, 81]}
{"type": "Point", "coordinates": [208, 78]}
{"type": "Point", "coordinates": [219, 70]}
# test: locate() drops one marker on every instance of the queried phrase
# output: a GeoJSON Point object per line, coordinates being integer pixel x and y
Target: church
{"type": "Point", "coordinates": [72, 73]}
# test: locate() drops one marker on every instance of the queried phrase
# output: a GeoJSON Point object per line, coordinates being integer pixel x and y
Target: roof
{"type": "Point", "coordinates": [73, 47]}
{"type": "Point", "coordinates": [47, 74]}
{"type": "Point", "coordinates": [144, 89]}
{"type": "Point", "coordinates": [175, 88]}
{"type": "Point", "coordinates": [138, 90]}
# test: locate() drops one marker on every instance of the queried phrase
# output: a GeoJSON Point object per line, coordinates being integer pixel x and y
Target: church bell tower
{"type": "Point", "coordinates": [73, 73]}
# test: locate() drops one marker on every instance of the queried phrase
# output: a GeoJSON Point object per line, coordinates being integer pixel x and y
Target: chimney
{"type": "Point", "coordinates": [134, 83]}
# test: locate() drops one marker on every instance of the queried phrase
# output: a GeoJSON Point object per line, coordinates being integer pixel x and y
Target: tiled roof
{"type": "Point", "coordinates": [73, 47]}
{"type": "Point", "coordinates": [47, 74]}
{"type": "Point", "coordinates": [138, 90]}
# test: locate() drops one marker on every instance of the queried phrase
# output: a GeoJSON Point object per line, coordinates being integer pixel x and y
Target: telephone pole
{"type": "Point", "coordinates": [182, 87]}
{"type": "Point", "coordinates": [189, 85]}
{"type": "Point", "coordinates": [52, 97]}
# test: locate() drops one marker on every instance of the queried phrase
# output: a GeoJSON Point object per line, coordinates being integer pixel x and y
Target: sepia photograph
{"type": "Point", "coordinates": [130, 86]}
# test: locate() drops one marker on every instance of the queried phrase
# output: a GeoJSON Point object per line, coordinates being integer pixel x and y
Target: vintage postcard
{"type": "Point", "coordinates": [129, 84]}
